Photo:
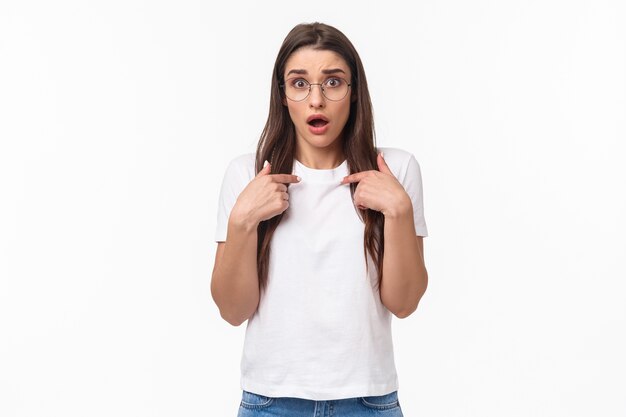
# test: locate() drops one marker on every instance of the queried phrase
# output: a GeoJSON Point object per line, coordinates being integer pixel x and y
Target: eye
{"type": "Point", "coordinates": [299, 83]}
{"type": "Point", "coordinates": [333, 82]}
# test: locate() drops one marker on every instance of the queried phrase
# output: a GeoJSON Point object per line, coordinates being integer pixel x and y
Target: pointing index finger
{"type": "Point", "coordinates": [285, 178]}
{"type": "Point", "coordinates": [354, 177]}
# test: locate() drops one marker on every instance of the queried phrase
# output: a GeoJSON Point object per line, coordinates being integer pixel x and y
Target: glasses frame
{"type": "Point", "coordinates": [283, 86]}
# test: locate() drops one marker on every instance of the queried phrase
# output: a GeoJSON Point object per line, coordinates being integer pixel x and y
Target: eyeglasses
{"type": "Point", "coordinates": [298, 89]}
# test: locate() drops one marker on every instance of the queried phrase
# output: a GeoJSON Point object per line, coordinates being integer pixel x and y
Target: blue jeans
{"type": "Point", "coordinates": [255, 405]}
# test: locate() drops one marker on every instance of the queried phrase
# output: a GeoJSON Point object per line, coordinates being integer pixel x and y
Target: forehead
{"type": "Point", "coordinates": [315, 61]}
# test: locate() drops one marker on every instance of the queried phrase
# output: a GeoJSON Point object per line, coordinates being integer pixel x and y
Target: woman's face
{"type": "Point", "coordinates": [316, 67]}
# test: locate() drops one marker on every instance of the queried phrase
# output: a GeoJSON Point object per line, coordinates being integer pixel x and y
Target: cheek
{"type": "Point", "coordinates": [294, 112]}
{"type": "Point", "coordinates": [345, 113]}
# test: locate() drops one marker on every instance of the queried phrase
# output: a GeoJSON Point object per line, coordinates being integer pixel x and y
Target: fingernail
{"type": "Point", "coordinates": [299, 179]}
{"type": "Point", "coordinates": [265, 163]}
{"type": "Point", "coordinates": [382, 154]}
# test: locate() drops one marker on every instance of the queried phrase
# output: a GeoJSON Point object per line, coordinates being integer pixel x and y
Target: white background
{"type": "Point", "coordinates": [118, 118]}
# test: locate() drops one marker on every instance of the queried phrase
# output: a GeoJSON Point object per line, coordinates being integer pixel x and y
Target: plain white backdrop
{"type": "Point", "coordinates": [118, 118]}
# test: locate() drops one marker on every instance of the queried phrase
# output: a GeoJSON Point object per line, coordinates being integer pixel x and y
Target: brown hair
{"type": "Point", "coordinates": [277, 143]}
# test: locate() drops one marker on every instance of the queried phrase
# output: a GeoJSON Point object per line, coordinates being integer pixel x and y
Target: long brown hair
{"type": "Point", "coordinates": [277, 143]}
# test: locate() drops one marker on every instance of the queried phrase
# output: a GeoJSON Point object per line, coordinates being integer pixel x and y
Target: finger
{"type": "Point", "coordinates": [285, 178]}
{"type": "Point", "coordinates": [382, 164]}
{"type": "Point", "coordinates": [265, 170]}
{"type": "Point", "coordinates": [355, 177]}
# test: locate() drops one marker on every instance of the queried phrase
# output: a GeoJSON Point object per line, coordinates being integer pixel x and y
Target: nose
{"type": "Point", "coordinates": [316, 98]}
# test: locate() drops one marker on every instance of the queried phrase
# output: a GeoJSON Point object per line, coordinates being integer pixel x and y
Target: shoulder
{"type": "Point", "coordinates": [399, 160]}
{"type": "Point", "coordinates": [241, 166]}
{"type": "Point", "coordinates": [395, 154]}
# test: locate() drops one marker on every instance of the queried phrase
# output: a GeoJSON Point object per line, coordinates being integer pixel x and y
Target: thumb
{"type": "Point", "coordinates": [382, 165]}
{"type": "Point", "coordinates": [265, 170]}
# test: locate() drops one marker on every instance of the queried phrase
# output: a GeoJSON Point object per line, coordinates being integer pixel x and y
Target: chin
{"type": "Point", "coordinates": [321, 142]}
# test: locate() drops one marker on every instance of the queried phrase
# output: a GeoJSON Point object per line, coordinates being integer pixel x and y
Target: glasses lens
{"type": "Point", "coordinates": [335, 88]}
{"type": "Point", "coordinates": [296, 89]}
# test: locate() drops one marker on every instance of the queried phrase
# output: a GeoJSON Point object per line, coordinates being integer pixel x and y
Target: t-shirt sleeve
{"type": "Point", "coordinates": [412, 183]}
{"type": "Point", "coordinates": [233, 183]}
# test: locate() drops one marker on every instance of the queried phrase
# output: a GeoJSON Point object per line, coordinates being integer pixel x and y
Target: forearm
{"type": "Point", "coordinates": [235, 283]}
{"type": "Point", "coordinates": [404, 274]}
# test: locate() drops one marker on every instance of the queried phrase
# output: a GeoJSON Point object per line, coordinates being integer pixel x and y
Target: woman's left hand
{"type": "Point", "coordinates": [379, 190]}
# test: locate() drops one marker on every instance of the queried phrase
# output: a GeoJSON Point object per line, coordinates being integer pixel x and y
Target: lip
{"type": "Point", "coordinates": [317, 116]}
{"type": "Point", "coordinates": [318, 130]}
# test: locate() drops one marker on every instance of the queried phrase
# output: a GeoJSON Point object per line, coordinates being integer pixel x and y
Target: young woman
{"type": "Point", "coordinates": [319, 241]}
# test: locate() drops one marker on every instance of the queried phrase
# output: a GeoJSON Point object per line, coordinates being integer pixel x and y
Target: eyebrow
{"type": "Point", "coordinates": [326, 71]}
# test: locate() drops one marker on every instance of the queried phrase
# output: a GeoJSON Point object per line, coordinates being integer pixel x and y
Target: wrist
{"type": "Point", "coordinates": [243, 221]}
{"type": "Point", "coordinates": [401, 210]}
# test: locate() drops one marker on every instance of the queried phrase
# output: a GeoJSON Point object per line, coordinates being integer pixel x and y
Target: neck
{"type": "Point", "coordinates": [320, 158]}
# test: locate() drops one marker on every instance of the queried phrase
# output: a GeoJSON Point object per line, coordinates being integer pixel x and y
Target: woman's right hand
{"type": "Point", "coordinates": [264, 197]}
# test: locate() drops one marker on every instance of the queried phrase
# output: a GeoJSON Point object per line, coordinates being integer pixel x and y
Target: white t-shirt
{"type": "Point", "coordinates": [320, 331]}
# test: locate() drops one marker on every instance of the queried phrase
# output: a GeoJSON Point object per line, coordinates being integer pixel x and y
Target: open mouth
{"type": "Point", "coordinates": [317, 122]}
